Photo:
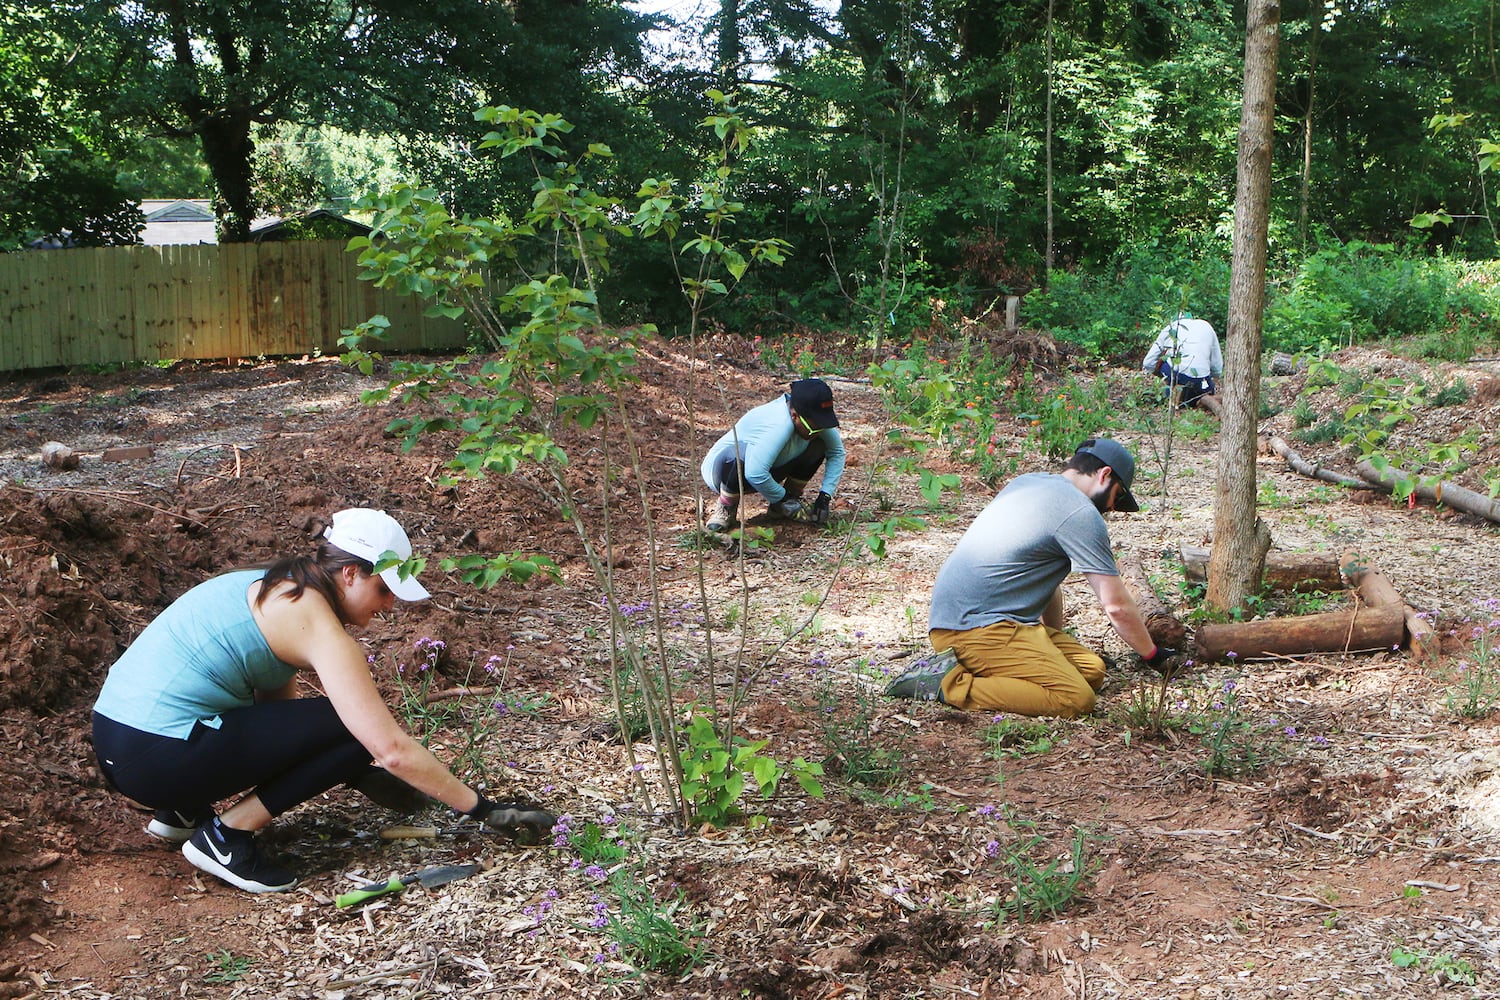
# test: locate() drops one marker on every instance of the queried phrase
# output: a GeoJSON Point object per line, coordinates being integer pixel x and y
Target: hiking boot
{"type": "Point", "coordinates": [522, 822]}
{"type": "Point", "coordinates": [175, 826]}
{"type": "Point", "coordinates": [234, 856]}
{"type": "Point", "coordinates": [723, 516]}
{"type": "Point", "coordinates": [385, 789]}
{"type": "Point", "coordinates": [923, 681]}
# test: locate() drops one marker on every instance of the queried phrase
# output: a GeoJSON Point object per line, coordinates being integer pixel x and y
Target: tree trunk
{"type": "Point", "coordinates": [729, 44]}
{"type": "Point", "coordinates": [1237, 555]}
{"type": "Point", "coordinates": [1047, 262]}
{"type": "Point", "coordinates": [230, 154]}
{"type": "Point", "coordinates": [1315, 16]}
{"type": "Point", "coordinates": [1363, 629]}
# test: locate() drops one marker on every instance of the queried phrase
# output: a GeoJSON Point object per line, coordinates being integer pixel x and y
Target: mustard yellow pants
{"type": "Point", "coordinates": [1025, 669]}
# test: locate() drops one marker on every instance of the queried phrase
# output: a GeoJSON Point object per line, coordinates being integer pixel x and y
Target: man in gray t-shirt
{"type": "Point", "coordinates": [996, 604]}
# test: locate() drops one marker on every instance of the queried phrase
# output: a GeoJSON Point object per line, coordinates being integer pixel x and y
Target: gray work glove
{"type": "Point", "coordinates": [788, 509]}
{"type": "Point", "coordinates": [522, 822]}
{"type": "Point", "coordinates": [822, 509]}
{"type": "Point", "coordinates": [816, 512]}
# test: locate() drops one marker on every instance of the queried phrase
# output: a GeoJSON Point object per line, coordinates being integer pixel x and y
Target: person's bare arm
{"type": "Point", "coordinates": [307, 634]}
{"type": "Point", "coordinates": [1116, 600]}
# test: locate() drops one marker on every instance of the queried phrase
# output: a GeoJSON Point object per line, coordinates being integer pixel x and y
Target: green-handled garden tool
{"type": "Point", "coordinates": [428, 878]}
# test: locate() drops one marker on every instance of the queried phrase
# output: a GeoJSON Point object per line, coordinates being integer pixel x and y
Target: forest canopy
{"type": "Point", "coordinates": [908, 152]}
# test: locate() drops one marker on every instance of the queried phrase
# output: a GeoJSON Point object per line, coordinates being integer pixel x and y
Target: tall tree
{"type": "Point", "coordinates": [1240, 539]}
{"type": "Point", "coordinates": [218, 70]}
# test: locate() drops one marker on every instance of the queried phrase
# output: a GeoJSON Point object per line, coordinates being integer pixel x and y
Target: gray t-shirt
{"type": "Point", "coordinates": [1017, 551]}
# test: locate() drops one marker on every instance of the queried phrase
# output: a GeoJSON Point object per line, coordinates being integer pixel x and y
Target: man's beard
{"type": "Point", "coordinates": [1100, 498]}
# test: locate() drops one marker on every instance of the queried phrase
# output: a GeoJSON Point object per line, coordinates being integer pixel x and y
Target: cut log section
{"type": "Point", "coordinates": [1164, 627]}
{"type": "Point", "coordinates": [1301, 465]}
{"type": "Point", "coordinates": [1297, 571]}
{"type": "Point", "coordinates": [1363, 629]}
{"type": "Point", "coordinates": [1423, 641]}
{"type": "Point", "coordinates": [1455, 496]}
{"type": "Point", "coordinates": [1211, 404]}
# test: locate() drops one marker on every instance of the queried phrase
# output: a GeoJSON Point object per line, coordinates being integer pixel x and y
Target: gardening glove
{"type": "Point", "coordinates": [787, 509]}
{"type": "Point", "coordinates": [1163, 659]}
{"type": "Point", "coordinates": [522, 822]}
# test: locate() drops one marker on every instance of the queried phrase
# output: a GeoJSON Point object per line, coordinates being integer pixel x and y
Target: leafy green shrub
{"type": "Point", "coordinates": [1119, 307]}
{"type": "Point", "coordinates": [1356, 292]}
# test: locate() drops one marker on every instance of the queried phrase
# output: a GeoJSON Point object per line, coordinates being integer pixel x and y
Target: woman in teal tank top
{"type": "Point", "coordinates": [204, 706]}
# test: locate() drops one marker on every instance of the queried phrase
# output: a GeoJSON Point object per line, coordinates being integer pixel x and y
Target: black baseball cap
{"type": "Point", "coordinates": [812, 398]}
{"type": "Point", "coordinates": [1115, 455]}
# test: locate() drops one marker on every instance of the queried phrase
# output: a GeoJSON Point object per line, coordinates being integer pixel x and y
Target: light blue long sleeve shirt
{"type": "Point", "coordinates": [765, 439]}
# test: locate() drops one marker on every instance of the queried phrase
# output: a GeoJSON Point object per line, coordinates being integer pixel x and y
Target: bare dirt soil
{"type": "Point", "coordinates": [1362, 860]}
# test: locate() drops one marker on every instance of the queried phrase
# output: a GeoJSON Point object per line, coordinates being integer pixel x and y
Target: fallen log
{"type": "Point", "coordinates": [1301, 465]}
{"type": "Point", "coordinates": [1211, 404]}
{"type": "Point", "coordinates": [1422, 640]}
{"type": "Point", "coordinates": [1283, 570]}
{"type": "Point", "coordinates": [1453, 495]}
{"type": "Point", "coordinates": [1164, 627]}
{"type": "Point", "coordinates": [1364, 628]}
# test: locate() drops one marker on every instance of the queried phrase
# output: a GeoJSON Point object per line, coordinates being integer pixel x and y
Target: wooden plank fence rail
{"type": "Point", "coordinates": [117, 305]}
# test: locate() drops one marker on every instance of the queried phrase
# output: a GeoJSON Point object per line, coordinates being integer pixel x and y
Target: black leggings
{"type": "Point", "coordinates": [287, 751]}
{"type": "Point", "coordinates": [729, 469]}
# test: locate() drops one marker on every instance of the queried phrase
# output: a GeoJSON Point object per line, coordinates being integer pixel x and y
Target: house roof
{"type": "Point", "coordinates": [178, 220]}
{"type": "Point", "coordinates": [191, 220]}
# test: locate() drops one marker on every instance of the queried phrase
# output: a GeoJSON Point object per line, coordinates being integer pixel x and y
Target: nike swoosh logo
{"type": "Point", "coordinates": [213, 849]}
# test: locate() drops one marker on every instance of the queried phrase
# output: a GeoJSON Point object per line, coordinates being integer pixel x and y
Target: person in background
{"type": "Point", "coordinates": [1186, 354]}
{"type": "Point", "coordinates": [997, 616]}
{"type": "Point", "coordinates": [203, 706]}
{"type": "Point", "coordinates": [775, 449]}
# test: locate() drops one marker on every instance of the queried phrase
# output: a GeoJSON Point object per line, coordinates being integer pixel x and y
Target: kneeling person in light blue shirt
{"type": "Point", "coordinates": [775, 449]}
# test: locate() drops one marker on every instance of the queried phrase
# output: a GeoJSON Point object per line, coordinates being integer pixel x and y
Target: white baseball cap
{"type": "Point", "coordinates": [370, 534]}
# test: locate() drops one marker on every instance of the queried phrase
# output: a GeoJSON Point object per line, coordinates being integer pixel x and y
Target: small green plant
{"type": "Point", "coordinates": [1267, 495]}
{"type": "Point", "coordinates": [1332, 429]}
{"type": "Point", "coordinates": [878, 535]}
{"type": "Point", "coordinates": [1308, 602]}
{"type": "Point", "coordinates": [468, 719]}
{"type": "Point", "coordinates": [1042, 891]}
{"type": "Point", "coordinates": [596, 845]}
{"type": "Point", "coordinates": [1303, 414]}
{"type": "Point", "coordinates": [1235, 743]}
{"type": "Point", "coordinates": [900, 800]}
{"type": "Point", "coordinates": [1059, 419]}
{"type": "Point", "coordinates": [646, 929]}
{"type": "Point", "coordinates": [848, 732]}
{"type": "Point", "coordinates": [1442, 966]}
{"type": "Point", "coordinates": [1475, 688]}
{"type": "Point", "coordinates": [1148, 709]}
{"type": "Point", "coordinates": [933, 485]}
{"type": "Point", "coordinates": [228, 967]}
{"type": "Point", "coordinates": [1020, 737]}
{"type": "Point", "coordinates": [714, 776]}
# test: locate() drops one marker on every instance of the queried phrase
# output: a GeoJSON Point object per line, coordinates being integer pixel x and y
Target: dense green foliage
{"type": "Point", "coordinates": [915, 152]}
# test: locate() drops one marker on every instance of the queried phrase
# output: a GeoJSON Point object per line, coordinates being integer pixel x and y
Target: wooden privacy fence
{"type": "Point", "coordinates": [238, 300]}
